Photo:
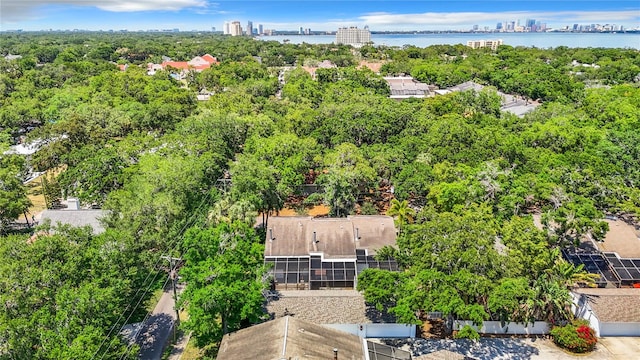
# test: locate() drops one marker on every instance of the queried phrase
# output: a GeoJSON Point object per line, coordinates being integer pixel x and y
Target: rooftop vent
{"type": "Point", "coordinates": [73, 204]}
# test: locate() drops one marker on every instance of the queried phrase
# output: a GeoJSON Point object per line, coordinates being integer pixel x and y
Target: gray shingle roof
{"type": "Point", "coordinates": [289, 338]}
{"type": "Point", "coordinates": [327, 307]}
{"type": "Point", "coordinates": [76, 218]}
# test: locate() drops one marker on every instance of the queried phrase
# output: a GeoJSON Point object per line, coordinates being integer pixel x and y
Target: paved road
{"type": "Point", "coordinates": [158, 329]}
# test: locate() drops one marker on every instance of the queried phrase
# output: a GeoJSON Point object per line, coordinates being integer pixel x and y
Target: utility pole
{"type": "Point", "coordinates": [44, 190]}
{"type": "Point", "coordinates": [173, 274]}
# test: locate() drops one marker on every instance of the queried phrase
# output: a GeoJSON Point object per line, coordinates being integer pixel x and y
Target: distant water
{"type": "Point", "coordinates": [539, 40]}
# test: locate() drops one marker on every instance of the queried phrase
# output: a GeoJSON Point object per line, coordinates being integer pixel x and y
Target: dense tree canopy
{"type": "Point", "coordinates": [465, 176]}
{"type": "Point", "coordinates": [225, 277]}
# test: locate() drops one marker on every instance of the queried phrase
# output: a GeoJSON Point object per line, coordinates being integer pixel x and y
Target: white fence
{"type": "Point", "coordinates": [619, 329]}
{"type": "Point", "coordinates": [494, 327]}
{"type": "Point", "coordinates": [377, 330]}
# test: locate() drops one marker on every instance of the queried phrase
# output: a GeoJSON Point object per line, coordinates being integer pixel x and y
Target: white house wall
{"type": "Point", "coordinates": [495, 327]}
{"type": "Point", "coordinates": [619, 329]}
{"type": "Point", "coordinates": [377, 330]}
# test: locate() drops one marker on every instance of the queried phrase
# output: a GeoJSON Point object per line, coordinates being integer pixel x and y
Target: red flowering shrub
{"type": "Point", "coordinates": [576, 337]}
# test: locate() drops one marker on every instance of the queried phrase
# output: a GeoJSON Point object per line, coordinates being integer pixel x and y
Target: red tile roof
{"type": "Point", "coordinates": [176, 64]}
{"type": "Point", "coordinates": [210, 59]}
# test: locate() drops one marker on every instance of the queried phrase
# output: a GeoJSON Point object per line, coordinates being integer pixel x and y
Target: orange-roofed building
{"type": "Point", "coordinates": [198, 64]}
{"type": "Point", "coordinates": [210, 59]}
{"type": "Point", "coordinates": [176, 64]}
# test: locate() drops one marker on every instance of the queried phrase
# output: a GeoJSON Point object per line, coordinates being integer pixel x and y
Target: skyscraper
{"type": "Point", "coordinates": [260, 29]}
{"type": "Point", "coordinates": [235, 29]}
{"type": "Point", "coordinates": [353, 36]}
{"type": "Point", "coordinates": [531, 22]}
{"type": "Point", "coordinates": [227, 28]}
{"type": "Point", "coordinates": [249, 28]}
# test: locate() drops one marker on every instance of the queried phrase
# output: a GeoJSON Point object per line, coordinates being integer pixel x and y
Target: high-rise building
{"type": "Point", "coordinates": [260, 29]}
{"type": "Point", "coordinates": [249, 28]}
{"type": "Point", "coordinates": [476, 44]}
{"type": "Point", "coordinates": [499, 26]}
{"type": "Point", "coordinates": [300, 30]}
{"type": "Point", "coordinates": [235, 28]}
{"type": "Point", "coordinates": [353, 36]}
{"type": "Point", "coordinates": [227, 28]}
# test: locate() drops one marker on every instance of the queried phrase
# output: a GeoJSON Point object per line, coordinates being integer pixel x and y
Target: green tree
{"type": "Point", "coordinates": [225, 277]}
{"type": "Point", "coordinates": [403, 213]}
{"type": "Point", "coordinates": [348, 174]}
{"type": "Point", "coordinates": [258, 182]}
{"type": "Point", "coordinates": [63, 291]}
{"type": "Point", "coordinates": [13, 194]}
{"type": "Point", "coordinates": [511, 301]}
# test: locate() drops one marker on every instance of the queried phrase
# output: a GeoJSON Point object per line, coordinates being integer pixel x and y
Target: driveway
{"type": "Point", "coordinates": [618, 348]}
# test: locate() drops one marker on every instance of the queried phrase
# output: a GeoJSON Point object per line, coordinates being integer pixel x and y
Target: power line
{"type": "Point", "coordinates": [173, 275]}
{"type": "Point", "coordinates": [173, 248]}
{"type": "Point", "coordinates": [189, 222]}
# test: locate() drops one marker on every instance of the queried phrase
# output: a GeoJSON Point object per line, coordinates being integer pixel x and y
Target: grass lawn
{"type": "Point", "coordinates": [192, 352]}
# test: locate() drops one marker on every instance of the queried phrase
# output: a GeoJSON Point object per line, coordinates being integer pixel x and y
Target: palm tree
{"type": "Point", "coordinates": [402, 212]}
{"type": "Point", "coordinates": [223, 211]}
{"type": "Point", "coordinates": [553, 301]}
{"type": "Point", "coordinates": [575, 276]}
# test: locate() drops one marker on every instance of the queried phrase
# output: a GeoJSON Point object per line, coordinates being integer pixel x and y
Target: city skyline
{"type": "Point", "coordinates": [203, 15]}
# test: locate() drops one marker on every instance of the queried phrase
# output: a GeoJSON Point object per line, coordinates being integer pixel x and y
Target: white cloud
{"type": "Point", "coordinates": [146, 5]}
{"type": "Point", "coordinates": [18, 10]}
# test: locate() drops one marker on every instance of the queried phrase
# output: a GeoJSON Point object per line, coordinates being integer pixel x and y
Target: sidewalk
{"type": "Point", "coordinates": [179, 347]}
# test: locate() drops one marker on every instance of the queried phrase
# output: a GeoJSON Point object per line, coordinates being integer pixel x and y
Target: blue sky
{"type": "Point", "coordinates": [317, 15]}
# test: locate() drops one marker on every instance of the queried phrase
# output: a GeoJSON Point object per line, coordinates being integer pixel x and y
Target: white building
{"type": "Point", "coordinates": [227, 28]}
{"type": "Point", "coordinates": [353, 36]}
{"type": "Point", "coordinates": [493, 44]}
{"type": "Point", "coordinates": [235, 29]}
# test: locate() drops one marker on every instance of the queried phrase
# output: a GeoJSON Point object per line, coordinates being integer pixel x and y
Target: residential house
{"type": "Point", "coordinates": [324, 64]}
{"type": "Point", "coordinates": [292, 338]}
{"type": "Point", "coordinates": [514, 104]}
{"type": "Point", "coordinates": [75, 216]}
{"type": "Point", "coordinates": [610, 312]}
{"type": "Point", "coordinates": [182, 68]}
{"type": "Point", "coordinates": [616, 259]}
{"type": "Point", "coordinates": [404, 87]}
{"type": "Point", "coordinates": [326, 253]}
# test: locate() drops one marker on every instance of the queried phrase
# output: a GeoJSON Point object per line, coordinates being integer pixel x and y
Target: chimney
{"type": "Point", "coordinates": [73, 204]}
{"type": "Point", "coordinates": [335, 354]}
